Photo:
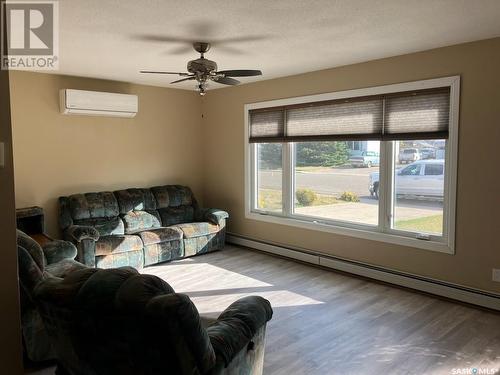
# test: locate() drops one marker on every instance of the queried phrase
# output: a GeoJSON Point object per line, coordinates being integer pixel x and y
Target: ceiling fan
{"type": "Point", "coordinates": [203, 70]}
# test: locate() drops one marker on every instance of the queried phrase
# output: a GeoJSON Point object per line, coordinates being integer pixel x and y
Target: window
{"type": "Point", "coordinates": [412, 170]}
{"type": "Point", "coordinates": [376, 163]}
{"type": "Point", "coordinates": [269, 177]}
{"type": "Point", "coordinates": [328, 184]}
{"type": "Point", "coordinates": [419, 193]}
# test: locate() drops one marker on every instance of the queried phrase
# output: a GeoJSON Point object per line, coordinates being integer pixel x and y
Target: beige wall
{"type": "Point", "coordinates": [168, 143]}
{"type": "Point", "coordinates": [478, 218]}
{"type": "Point", "coordinates": [56, 154]}
{"type": "Point", "coordinates": [10, 337]}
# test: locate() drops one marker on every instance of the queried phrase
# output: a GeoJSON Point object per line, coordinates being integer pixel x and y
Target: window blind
{"type": "Point", "coordinates": [420, 114]}
{"type": "Point", "coordinates": [267, 125]}
{"type": "Point", "coordinates": [337, 120]}
{"type": "Point", "coordinates": [417, 116]}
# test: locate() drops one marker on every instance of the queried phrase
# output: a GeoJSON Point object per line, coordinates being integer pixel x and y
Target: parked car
{"type": "Point", "coordinates": [409, 155]}
{"type": "Point", "coordinates": [365, 159]}
{"type": "Point", "coordinates": [428, 153]}
{"type": "Point", "coordinates": [423, 178]}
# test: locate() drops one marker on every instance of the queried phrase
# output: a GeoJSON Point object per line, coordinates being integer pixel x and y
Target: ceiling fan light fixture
{"type": "Point", "coordinates": [201, 88]}
{"type": "Point", "coordinates": [204, 70]}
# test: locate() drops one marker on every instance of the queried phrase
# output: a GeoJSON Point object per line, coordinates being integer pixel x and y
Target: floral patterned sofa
{"type": "Point", "coordinates": [139, 227]}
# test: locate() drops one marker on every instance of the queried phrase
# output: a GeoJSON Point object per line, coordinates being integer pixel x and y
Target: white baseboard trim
{"type": "Point", "coordinates": [428, 285]}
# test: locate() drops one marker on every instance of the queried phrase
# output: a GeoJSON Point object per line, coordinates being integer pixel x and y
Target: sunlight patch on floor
{"type": "Point", "coordinates": [280, 298]}
{"type": "Point", "coordinates": [185, 277]}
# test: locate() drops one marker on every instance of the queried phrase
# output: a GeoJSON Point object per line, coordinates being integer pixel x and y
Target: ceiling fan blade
{"type": "Point", "coordinates": [226, 80]}
{"type": "Point", "coordinates": [158, 72]}
{"type": "Point", "coordinates": [161, 38]}
{"type": "Point", "coordinates": [240, 39]}
{"type": "Point", "coordinates": [240, 73]}
{"type": "Point", "coordinates": [183, 79]}
{"type": "Point", "coordinates": [182, 50]}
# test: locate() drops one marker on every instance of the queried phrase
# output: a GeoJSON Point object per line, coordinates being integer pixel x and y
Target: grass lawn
{"type": "Point", "coordinates": [428, 224]}
{"type": "Point", "coordinates": [271, 199]}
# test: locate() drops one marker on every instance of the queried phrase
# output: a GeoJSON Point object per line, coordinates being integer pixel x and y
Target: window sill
{"type": "Point", "coordinates": [367, 234]}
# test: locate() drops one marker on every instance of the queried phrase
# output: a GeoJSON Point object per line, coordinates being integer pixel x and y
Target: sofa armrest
{"type": "Point", "coordinates": [81, 232]}
{"type": "Point", "coordinates": [236, 326]}
{"type": "Point", "coordinates": [58, 250]}
{"type": "Point", "coordinates": [213, 215]}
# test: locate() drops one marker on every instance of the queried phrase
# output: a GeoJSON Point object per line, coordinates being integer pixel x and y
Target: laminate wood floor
{"type": "Point", "coordinates": [332, 323]}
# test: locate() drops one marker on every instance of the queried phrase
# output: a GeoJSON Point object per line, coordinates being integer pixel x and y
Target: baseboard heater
{"type": "Point", "coordinates": [428, 285]}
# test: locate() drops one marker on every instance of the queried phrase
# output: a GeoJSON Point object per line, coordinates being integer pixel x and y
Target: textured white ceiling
{"type": "Point", "coordinates": [105, 38]}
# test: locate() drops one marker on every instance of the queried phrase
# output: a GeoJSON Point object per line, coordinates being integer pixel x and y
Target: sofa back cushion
{"type": "Point", "coordinates": [135, 200]}
{"type": "Point", "coordinates": [93, 205]}
{"type": "Point", "coordinates": [172, 196]}
{"type": "Point", "coordinates": [176, 215]}
{"type": "Point", "coordinates": [137, 209]}
{"type": "Point", "coordinates": [175, 204]}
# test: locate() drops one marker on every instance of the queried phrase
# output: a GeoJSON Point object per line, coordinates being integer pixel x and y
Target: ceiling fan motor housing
{"type": "Point", "coordinates": [203, 71]}
{"type": "Point", "coordinates": [201, 65]}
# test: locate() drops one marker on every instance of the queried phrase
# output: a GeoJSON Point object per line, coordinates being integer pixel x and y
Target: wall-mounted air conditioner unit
{"type": "Point", "coordinates": [94, 103]}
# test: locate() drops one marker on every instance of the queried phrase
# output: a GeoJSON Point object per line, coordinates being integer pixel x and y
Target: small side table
{"type": "Point", "coordinates": [31, 221]}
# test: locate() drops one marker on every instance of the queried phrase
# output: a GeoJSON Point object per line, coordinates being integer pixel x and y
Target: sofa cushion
{"type": "Point", "coordinates": [64, 267]}
{"type": "Point", "coordinates": [139, 220]}
{"type": "Point", "coordinates": [92, 205]}
{"type": "Point", "coordinates": [117, 244]}
{"type": "Point", "coordinates": [135, 200]}
{"type": "Point", "coordinates": [135, 293]}
{"type": "Point", "coordinates": [172, 196]}
{"type": "Point", "coordinates": [197, 229]}
{"type": "Point", "coordinates": [105, 226]}
{"type": "Point", "coordinates": [176, 215]}
{"type": "Point", "coordinates": [159, 235]}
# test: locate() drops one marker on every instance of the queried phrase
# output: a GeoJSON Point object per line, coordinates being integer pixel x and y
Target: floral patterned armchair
{"type": "Point", "coordinates": [54, 259]}
{"type": "Point", "coordinates": [117, 321]}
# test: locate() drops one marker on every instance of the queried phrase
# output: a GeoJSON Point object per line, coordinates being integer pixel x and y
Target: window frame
{"type": "Point", "coordinates": [383, 231]}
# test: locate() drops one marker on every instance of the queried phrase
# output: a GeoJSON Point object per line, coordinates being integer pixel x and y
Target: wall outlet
{"type": "Point", "coordinates": [496, 275]}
